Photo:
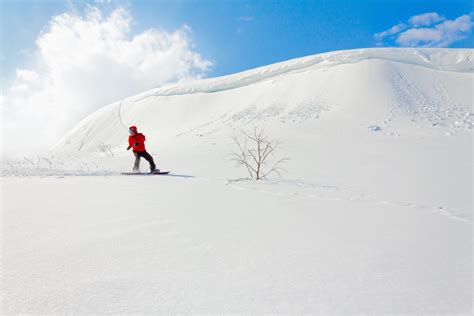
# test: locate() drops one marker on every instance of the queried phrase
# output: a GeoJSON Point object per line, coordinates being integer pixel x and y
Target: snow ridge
{"type": "Point", "coordinates": [429, 84]}
{"type": "Point", "coordinates": [459, 60]}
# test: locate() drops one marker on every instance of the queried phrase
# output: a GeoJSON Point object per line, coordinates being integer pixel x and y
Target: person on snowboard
{"type": "Point", "coordinates": [137, 142]}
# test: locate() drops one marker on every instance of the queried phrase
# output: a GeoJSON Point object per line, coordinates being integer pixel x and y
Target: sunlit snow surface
{"type": "Point", "coordinates": [366, 220]}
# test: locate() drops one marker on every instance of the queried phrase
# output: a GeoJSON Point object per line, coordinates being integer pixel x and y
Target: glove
{"type": "Point", "coordinates": [136, 144]}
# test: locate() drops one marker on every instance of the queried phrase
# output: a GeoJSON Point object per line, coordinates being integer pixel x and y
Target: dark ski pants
{"type": "Point", "coordinates": [147, 156]}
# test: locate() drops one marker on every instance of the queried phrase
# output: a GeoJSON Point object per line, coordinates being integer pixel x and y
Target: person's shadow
{"type": "Point", "coordinates": [178, 175]}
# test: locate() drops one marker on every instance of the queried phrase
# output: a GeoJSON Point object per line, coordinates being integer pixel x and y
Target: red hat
{"type": "Point", "coordinates": [132, 128]}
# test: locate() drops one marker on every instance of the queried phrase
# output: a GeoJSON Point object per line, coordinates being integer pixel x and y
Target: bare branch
{"type": "Point", "coordinates": [253, 156]}
{"type": "Point", "coordinates": [241, 158]}
{"type": "Point", "coordinates": [256, 155]}
{"type": "Point", "coordinates": [277, 168]}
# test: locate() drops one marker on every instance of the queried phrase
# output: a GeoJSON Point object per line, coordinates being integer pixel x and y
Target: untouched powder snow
{"type": "Point", "coordinates": [373, 216]}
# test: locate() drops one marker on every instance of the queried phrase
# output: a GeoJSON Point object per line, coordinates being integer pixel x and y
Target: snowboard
{"type": "Point", "coordinates": [145, 173]}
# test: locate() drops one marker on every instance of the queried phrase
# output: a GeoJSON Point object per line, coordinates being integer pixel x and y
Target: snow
{"type": "Point", "coordinates": [362, 222]}
{"type": "Point", "coordinates": [374, 128]}
{"type": "Point", "coordinates": [297, 249]}
{"type": "Point", "coordinates": [375, 87]}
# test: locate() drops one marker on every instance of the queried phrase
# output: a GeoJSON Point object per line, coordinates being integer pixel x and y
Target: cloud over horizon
{"type": "Point", "coordinates": [84, 61]}
{"type": "Point", "coordinates": [427, 30]}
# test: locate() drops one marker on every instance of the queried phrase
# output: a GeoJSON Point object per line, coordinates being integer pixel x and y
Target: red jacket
{"type": "Point", "coordinates": [137, 142]}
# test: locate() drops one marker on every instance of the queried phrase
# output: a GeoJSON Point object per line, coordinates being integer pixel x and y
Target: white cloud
{"type": "Point", "coordinates": [85, 61]}
{"type": "Point", "coordinates": [441, 35]}
{"type": "Point", "coordinates": [436, 31]}
{"type": "Point", "coordinates": [426, 19]}
{"type": "Point", "coordinates": [393, 30]}
{"type": "Point", "coordinates": [27, 76]}
{"type": "Point", "coordinates": [414, 37]}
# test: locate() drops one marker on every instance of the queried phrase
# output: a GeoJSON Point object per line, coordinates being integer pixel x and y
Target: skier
{"type": "Point", "coordinates": [137, 142]}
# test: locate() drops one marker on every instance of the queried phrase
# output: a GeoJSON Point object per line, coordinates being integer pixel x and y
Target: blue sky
{"type": "Point", "coordinates": [236, 35]}
{"type": "Point", "coordinates": [239, 35]}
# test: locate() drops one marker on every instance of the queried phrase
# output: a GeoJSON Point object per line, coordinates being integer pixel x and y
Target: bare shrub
{"type": "Point", "coordinates": [255, 151]}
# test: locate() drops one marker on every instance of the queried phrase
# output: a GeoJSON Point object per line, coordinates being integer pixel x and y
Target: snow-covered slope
{"type": "Point", "coordinates": [364, 86]}
{"type": "Point", "coordinates": [321, 108]}
{"type": "Point", "coordinates": [374, 215]}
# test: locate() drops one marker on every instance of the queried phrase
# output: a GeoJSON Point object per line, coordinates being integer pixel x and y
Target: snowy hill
{"type": "Point", "coordinates": [374, 215]}
{"type": "Point", "coordinates": [365, 86]}
{"type": "Point", "coordinates": [322, 109]}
